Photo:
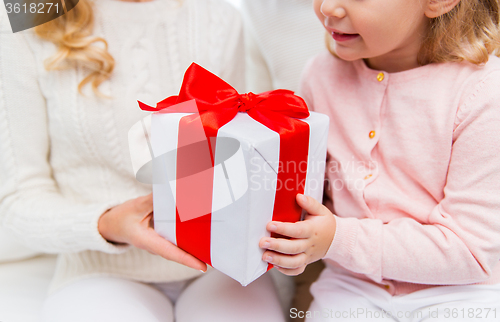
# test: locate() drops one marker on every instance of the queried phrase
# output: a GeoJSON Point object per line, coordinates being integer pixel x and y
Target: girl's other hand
{"type": "Point", "coordinates": [311, 238]}
{"type": "Point", "coordinates": [132, 223]}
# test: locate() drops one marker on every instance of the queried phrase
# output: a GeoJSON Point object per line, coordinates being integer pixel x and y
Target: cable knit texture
{"type": "Point", "coordinates": [413, 171]}
{"type": "Point", "coordinates": [64, 157]}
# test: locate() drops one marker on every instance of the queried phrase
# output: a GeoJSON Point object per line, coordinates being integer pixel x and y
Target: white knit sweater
{"type": "Point", "coordinates": [64, 157]}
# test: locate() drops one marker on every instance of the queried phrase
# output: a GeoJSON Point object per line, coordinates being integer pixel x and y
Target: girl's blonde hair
{"type": "Point", "coordinates": [469, 32]}
{"type": "Point", "coordinates": [72, 34]}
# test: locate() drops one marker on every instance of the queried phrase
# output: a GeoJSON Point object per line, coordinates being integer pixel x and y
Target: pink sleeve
{"type": "Point", "coordinates": [460, 244]}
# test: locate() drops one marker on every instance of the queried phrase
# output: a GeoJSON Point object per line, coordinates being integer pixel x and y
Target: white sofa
{"type": "Point", "coordinates": [23, 287]}
{"type": "Point", "coordinates": [24, 279]}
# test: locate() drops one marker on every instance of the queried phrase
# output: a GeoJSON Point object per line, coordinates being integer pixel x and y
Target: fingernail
{"type": "Point", "coordinates": [273, 227]}
{"type": "Point", "coordinates": [266, 245]}
{"type": "Point", "coordinates": [268, 259]}
{"type": "Point", "coordinates": [303, 198]}
{"type": "Point", "coordinates": [202, 271]}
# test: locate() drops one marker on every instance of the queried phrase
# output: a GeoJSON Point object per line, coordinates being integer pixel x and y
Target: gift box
{"type": "Point", "coordinates": [224, 164]}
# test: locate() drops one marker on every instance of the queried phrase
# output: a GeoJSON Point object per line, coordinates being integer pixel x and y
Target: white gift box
{"type": "Point", "coordinates": [245, 182]}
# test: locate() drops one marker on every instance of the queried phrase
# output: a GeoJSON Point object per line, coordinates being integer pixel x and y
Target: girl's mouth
{"type": "Point", "coordinates": [338, 36]}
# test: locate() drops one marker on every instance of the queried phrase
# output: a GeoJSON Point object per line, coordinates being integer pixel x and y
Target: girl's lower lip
{"type": "Point", "coordinates": [343, 37]}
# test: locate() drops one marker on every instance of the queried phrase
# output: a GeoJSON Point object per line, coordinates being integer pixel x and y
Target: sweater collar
{"type": "Point", "coordinates": [403, 76]}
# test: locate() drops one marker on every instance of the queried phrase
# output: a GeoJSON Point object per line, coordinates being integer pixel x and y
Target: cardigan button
{"type": "Point", "coordinates": [380, 76]}
{"type": "Point", "coordinates": [371, 134]}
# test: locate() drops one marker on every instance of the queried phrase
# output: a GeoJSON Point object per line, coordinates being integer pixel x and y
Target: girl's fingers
{"type": "Point", "coordinates": [300, 229]}
{"type": "Point", "coordinates": [291, 272]}
{"type": "Point", "coordinates": [285, 261]}
{"type": "Point", "coordinates": [156, 244]}
{"type": "Point", "coordinates": [311, 206]}
{"type": "Point", "coordinates": [285, 246]}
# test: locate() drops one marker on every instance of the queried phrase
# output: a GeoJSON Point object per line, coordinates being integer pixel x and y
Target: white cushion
{"type": "Point", "coordinates": [23, 288]}
{"type": "Point", "coordinates": [11, 249]}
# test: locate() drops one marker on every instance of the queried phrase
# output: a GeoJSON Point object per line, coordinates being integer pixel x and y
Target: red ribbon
{"type": "Point", "coordinates": [218, 103]}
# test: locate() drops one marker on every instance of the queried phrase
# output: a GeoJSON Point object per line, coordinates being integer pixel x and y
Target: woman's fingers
{"type": "Point", "coordinates": [285, 246]}
{"type": "Point", "coordinates": [148, 221]}
{"type": "Point", "coordinates": [137, 224]}
{"type": "Point", "coordinates": [132, 223]}
{"type": "Point", "coordinates": [144, 203]}
{"type": "Point", "coordinates": [286, 261]}
{"type": "Point", "coordinates": [156, 244]}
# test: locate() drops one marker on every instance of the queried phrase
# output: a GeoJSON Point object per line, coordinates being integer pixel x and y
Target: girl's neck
{"type": "Point", "coordinates": [404, 57]}
{"type": "Point", "coordinates": [392, 64]}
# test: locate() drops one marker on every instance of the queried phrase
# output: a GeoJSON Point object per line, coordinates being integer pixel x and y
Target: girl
{"type": "Point", "coordinates": [67, 184]}
{"type": "Point", "coordinates": [413, 170]}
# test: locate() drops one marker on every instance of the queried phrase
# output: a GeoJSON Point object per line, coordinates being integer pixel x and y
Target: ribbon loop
{"type": "Point", "coordinates": [215, 96]}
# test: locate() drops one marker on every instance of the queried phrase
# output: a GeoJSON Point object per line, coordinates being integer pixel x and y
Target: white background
{"type": "Point", "coordinates": [236, 3]}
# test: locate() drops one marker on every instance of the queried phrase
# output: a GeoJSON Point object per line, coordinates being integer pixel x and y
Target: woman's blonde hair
{"type": "Point", "coordinates": [469, 32]}
{"type": "Point", "coordinates": [72, 34]}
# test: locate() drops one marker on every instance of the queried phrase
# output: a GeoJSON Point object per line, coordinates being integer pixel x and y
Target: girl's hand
{"type": "Point", "coordinates": [310, 241]}
{"type": "Point", "coordinates": [132, 223]}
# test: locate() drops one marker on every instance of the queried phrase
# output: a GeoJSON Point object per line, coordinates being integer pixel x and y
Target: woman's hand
{"type": "Point", "coordinates": [132, 223]}
{"type": "Point", "coordinates": [310, 241]}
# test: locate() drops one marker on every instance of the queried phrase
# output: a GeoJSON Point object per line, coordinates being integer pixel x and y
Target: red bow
{"type": "Point", "coordinates": [218, 101]}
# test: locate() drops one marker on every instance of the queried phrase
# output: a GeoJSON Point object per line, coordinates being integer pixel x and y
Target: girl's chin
{"type": "Point", "coordinates": [347, 55]}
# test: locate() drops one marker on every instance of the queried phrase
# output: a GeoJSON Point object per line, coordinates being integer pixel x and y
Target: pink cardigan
{"type": "Point", "coordinates": [413, 169]}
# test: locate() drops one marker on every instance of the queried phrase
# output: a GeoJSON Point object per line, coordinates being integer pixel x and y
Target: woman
{"type": "Point", "coordinates": [67, 100]}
